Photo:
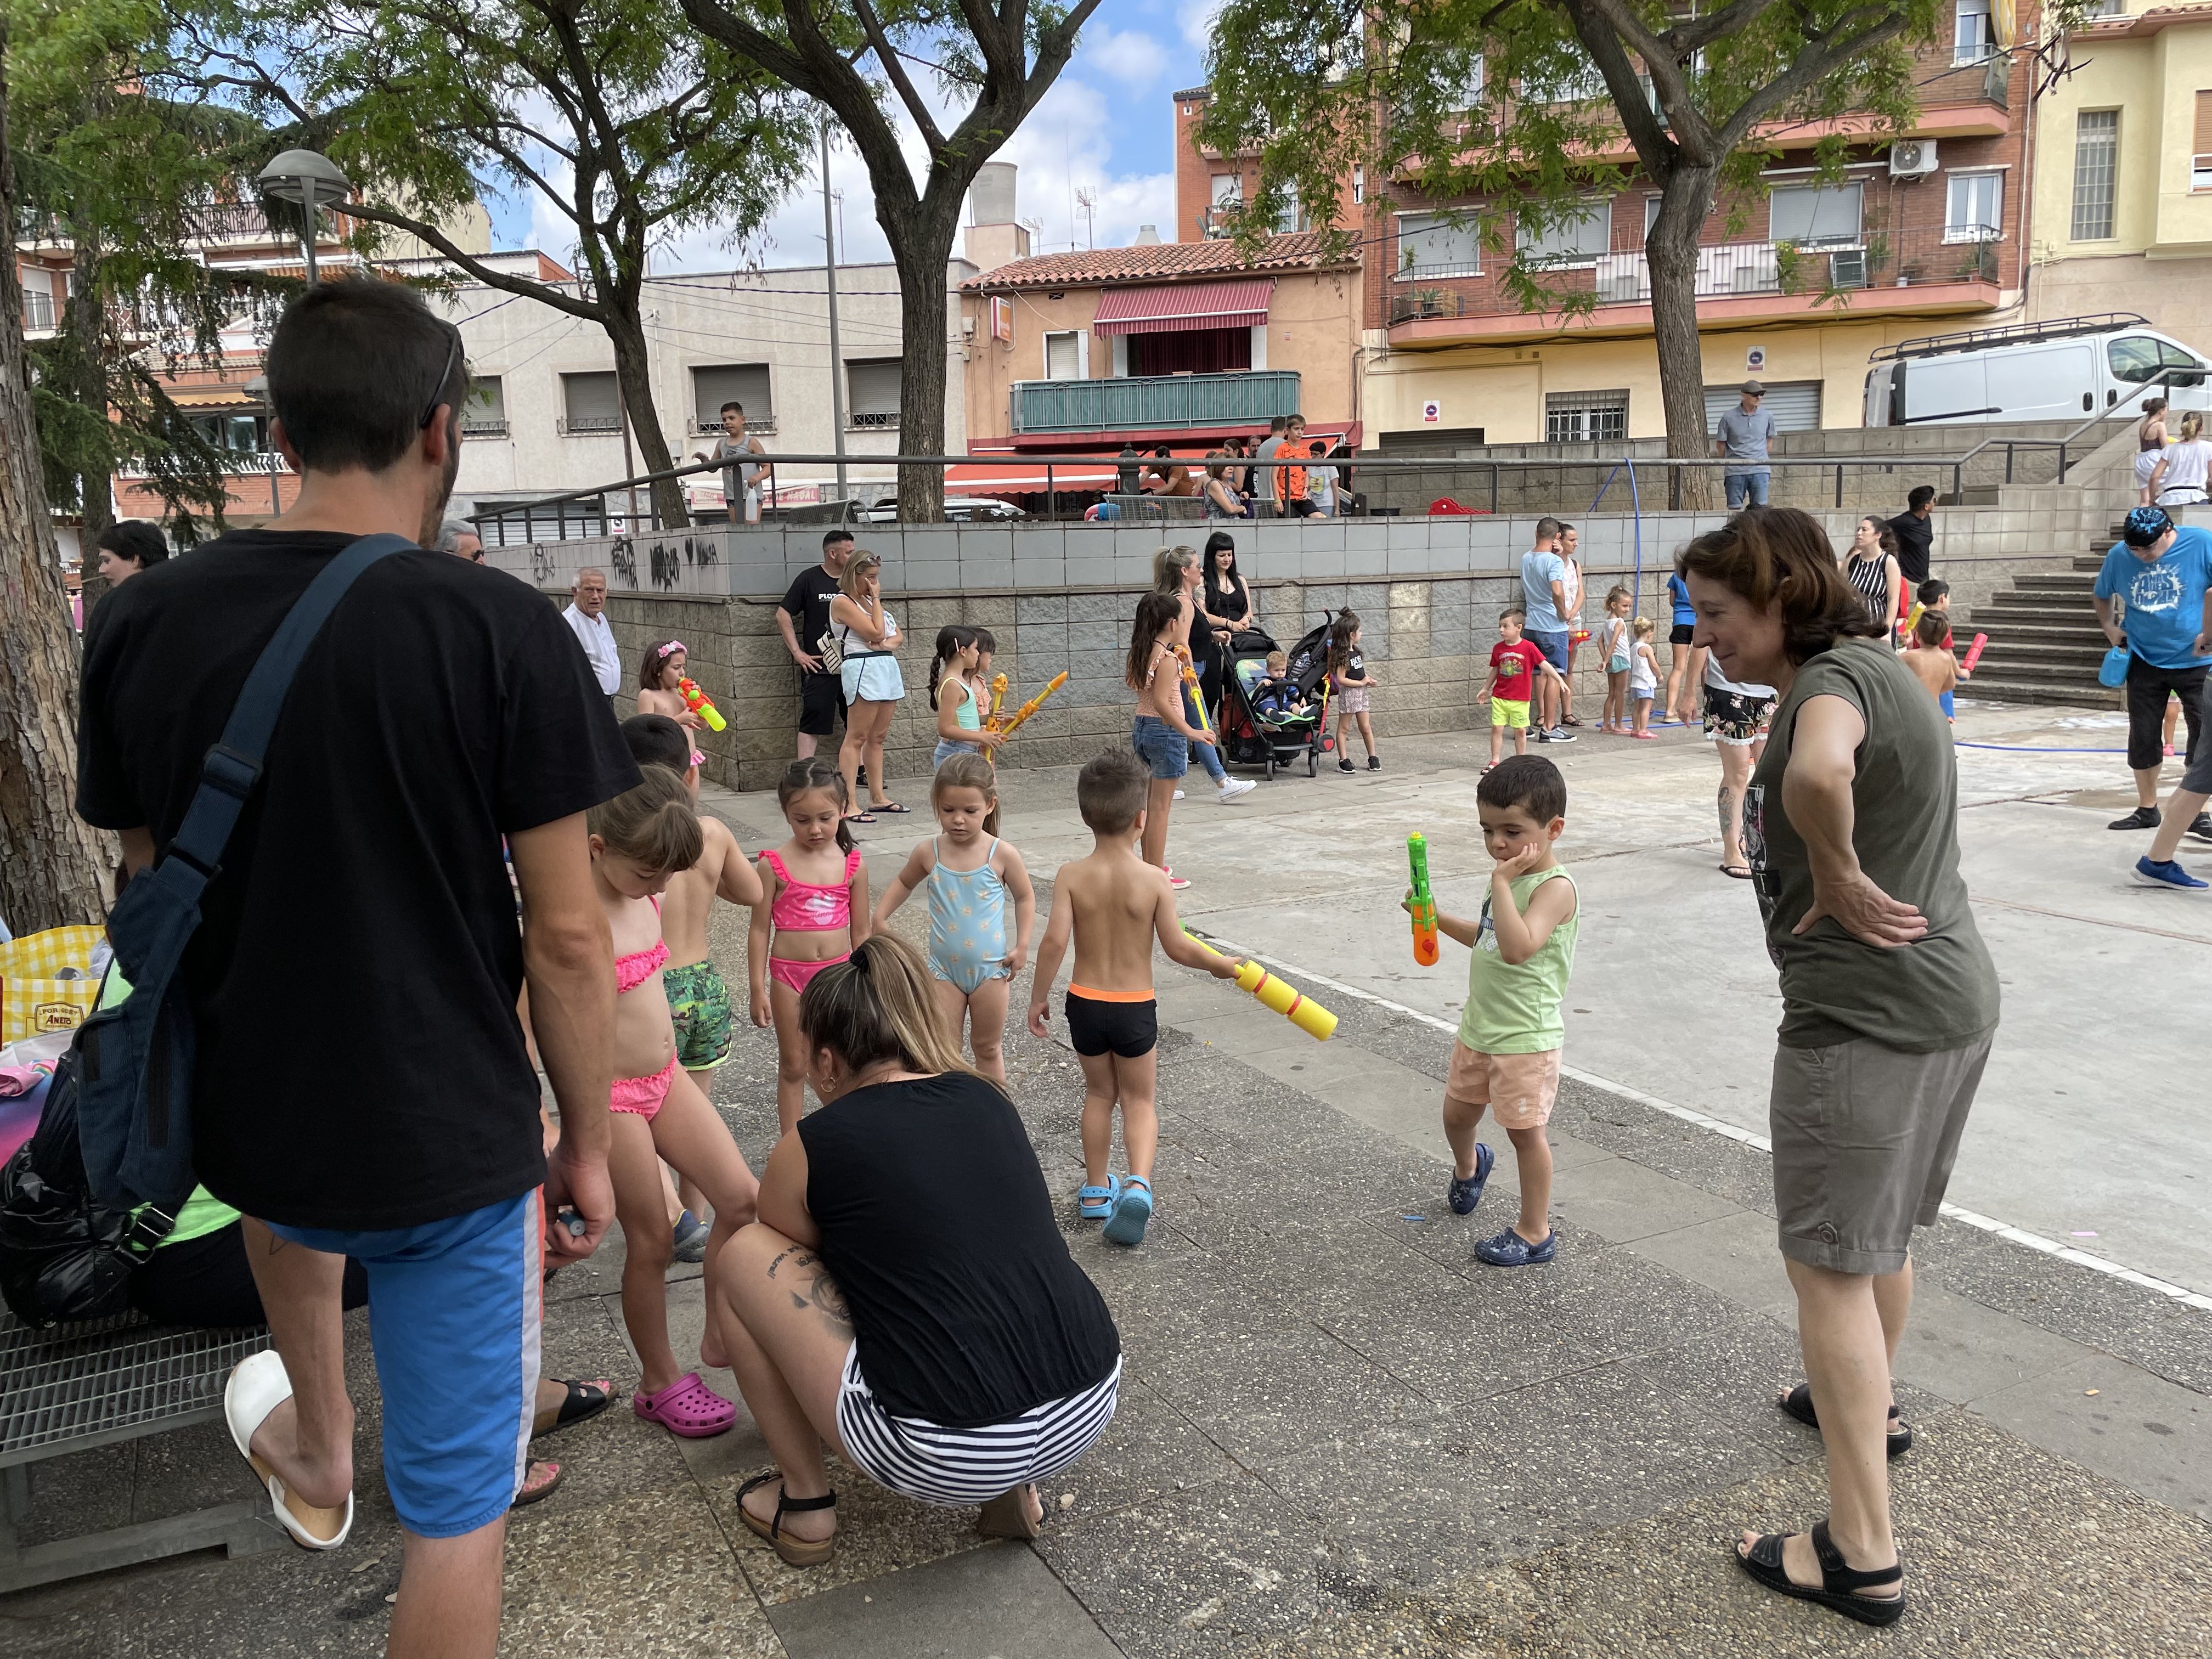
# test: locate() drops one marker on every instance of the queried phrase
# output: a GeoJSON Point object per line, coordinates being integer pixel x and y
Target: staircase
{"type": "Point", "coordinates": [2045, 644]}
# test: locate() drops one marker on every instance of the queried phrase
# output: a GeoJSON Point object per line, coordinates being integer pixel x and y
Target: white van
{"type": "Point", "coordinates": [2064, 369]}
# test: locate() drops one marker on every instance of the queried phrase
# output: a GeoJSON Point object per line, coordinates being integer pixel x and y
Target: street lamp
{"type": "Point", "coordinates": [309, 178]}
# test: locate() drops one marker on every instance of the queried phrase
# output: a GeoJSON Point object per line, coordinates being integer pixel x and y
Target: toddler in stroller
{"type": "Point", "coordinates": [1268, 717]}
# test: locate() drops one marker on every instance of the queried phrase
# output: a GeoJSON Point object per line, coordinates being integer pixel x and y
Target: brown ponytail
{"type": "Point", "coordinates": [875, 1005]}
{"type": "Point", "coordinates": [654, 823]}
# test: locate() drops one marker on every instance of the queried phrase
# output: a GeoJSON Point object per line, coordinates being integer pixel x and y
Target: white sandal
{"type": "Point", "coordinates": [257, 1387]}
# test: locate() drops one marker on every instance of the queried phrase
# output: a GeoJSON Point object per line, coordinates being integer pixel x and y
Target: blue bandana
{"type": "Point", "coordinates": [2145, 525]}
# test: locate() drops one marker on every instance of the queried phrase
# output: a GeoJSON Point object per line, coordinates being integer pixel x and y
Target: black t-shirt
{"type": "Point", "coordinates": [356, 968]}
{"type": "Point", "coordinates": [808, 603]}
{"type": "Point", "coordinates": [967, 1309]}
{"type": "Point", "coordinates": [1915, 537]}
{"type": "Point", "coordinates": [1355, 664]}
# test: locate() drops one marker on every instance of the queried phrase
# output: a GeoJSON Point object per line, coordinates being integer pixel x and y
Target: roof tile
{"type": "Point", "coordinates": [1160, 262]}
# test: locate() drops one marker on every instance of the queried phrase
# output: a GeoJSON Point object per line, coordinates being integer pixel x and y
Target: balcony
{"type": "Point", "coordinates": [1932, 272]}
{"type": "Point", "coordinates": [1155, 402]}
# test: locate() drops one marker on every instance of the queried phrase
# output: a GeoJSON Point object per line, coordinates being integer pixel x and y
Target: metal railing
{"type": "Point", "coordinates": [1161, 403]}
{"type": "Point", "coordinates": [1068, 482]}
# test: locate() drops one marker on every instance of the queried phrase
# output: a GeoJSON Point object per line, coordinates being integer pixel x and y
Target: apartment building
{"type": "Point", "coordinates": [1185, 343]}
{"type": "Point", "coordinates": [2122, 201]}
{"type": "Point", "coordinates": [1796, 286]}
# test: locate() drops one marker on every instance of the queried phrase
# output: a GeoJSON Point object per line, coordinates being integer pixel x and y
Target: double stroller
{"type": "Point", "coordinates": [1271, 736]}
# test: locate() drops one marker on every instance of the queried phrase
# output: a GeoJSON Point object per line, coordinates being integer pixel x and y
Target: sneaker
{"type": "Point", "coordinates": [1234, 789]}
{"type": "Point", "coordinates": [2169, 874]}
{"type": "Point", "coordinates": [1509, 1249]}
{"type": "Point", "coordinates": [1176, 881]}
{"type": "Point", "coordinates": [1373, 764]}
{"type": "Point", "coordinates": [691, 1237]}
{"type": "Point", "coordinates": [1541, 733]}
{"type": "Point", "coordinates": [1346, 766]}
{"type": "Point", "coordinates": [1560, 734]}
{"type": "Point", "coordinates": [1464, 1195]}
{"type": "Point", "coordinates": [2143, 818]}
{"type": "Point", "coordinates": [1178, 794]}
{"type": "Point", "coordinates": [2201, 826]}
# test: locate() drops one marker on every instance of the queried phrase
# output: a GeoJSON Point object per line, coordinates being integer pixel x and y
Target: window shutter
{"type": "Point", "coordinates": [1795, 405]}
{"type": "Point", "coordinates": [2205, 124]}
{"type": "Point", "coordinates": [594, 402]}
{"type": "Point", "coordinates": [748, 384]}
{"type": "Point", "coordinates": [873, 389]}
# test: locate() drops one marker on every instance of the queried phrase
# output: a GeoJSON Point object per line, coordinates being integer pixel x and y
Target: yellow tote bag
{"type": "Point", "coordinates": [46, 982]}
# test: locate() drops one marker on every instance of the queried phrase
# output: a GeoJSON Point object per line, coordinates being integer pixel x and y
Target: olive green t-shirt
{"type": "Point", "coordinates": [1939, 993]}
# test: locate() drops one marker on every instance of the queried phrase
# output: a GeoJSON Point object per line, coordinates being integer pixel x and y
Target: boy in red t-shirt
{"type": "Point", "coordinates": [1514, 665]}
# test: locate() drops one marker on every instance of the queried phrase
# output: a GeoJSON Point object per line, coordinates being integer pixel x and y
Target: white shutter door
{"type": "Point", "coordinates": [1059, 357]}
{"type": "Point", "coordinates": [1795, 405]}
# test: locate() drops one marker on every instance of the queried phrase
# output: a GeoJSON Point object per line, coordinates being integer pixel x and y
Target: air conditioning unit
{"type": "Point", "coordinates": [1912, 158]}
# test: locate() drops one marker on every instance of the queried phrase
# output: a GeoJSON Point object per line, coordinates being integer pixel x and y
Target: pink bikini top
{"type": "Point", "coordinates": [639, 966]}
{"type": "Point", "coordinates": [804, 907]}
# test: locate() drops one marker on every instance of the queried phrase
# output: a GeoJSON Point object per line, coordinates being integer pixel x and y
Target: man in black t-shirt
{"type": "Point", "coordinates": [1916, 535]}
{"type": "Point", "coordinates": [803, 618]}
{"type": "Point", "coordinates": [362, 1085]}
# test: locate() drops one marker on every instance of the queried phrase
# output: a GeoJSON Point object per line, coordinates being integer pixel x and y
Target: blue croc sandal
{"type": "Point", "coordinates": [1464, 1195]}
{"type": "Point", "coordinates": [1509, 1249]}
{"type": "Point", "coordinates": [1097, 1203]}
{"type": "Point", "coordinates": [1131, 1212]}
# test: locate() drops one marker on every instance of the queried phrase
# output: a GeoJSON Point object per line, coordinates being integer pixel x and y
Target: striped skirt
{"type": "Point", "coordinates": [919, 1459]}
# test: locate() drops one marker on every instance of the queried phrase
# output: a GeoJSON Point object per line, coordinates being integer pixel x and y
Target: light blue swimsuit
{"type": "Point", "coordinates": [967, 922]}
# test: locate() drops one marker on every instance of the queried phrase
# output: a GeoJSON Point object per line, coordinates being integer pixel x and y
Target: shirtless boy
{"type": "Point", "coordinates": [1114, 904]}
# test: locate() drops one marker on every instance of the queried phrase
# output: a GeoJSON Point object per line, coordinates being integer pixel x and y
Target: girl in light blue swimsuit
{"type": "Point", "coordinates": [970, 874]}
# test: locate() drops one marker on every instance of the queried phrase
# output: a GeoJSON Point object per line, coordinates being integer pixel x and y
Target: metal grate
{"type": "Point", "coordinates": [107, 1380]}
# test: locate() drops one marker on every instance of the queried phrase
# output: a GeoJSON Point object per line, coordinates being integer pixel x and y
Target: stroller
{"type": "Point", "coordinates": [1252, 737]}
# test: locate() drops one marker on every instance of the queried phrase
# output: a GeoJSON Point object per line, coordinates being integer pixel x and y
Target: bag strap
{"type": "Point", "coordinates": [233, 766]}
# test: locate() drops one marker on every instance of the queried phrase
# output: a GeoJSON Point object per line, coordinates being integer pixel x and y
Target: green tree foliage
{"type": "Point", "coordinates": [121, 164]}
{"type": "Point", "coordinates": [994, 58]}
{"type": "Point", "coordinates": [611, 112]}
{"type": "Point", "coordinates": [1509, 115]}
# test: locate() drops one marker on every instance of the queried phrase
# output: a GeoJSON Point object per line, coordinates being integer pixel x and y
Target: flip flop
{"type": "Point", "coordinates": [257, 1386]}
{"type": "Point", "coordinates": [537, 1484]}
{"type": "Point", "coordinates": [888, 807]}
{"type": "Point", "coordinates": [1741, 872]}
{"type": "Point", "coordinates": [584, 1401]}
{"type": "Point", "coordinates": [1007, 1515]}
{"type": "Point", "coordinates": [687, 1407]}
{"type": "Point", "coordinates": [859, 818]}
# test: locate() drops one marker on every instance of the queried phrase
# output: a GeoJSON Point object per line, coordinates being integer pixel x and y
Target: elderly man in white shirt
{"type": "Point", "coordinates": [587, 616]}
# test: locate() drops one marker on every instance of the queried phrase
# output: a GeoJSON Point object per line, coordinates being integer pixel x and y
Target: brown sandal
{"type": "Point", "coordinates": [1007, 1515]}
{"type": "Point", "coordinates": [794, 1552]}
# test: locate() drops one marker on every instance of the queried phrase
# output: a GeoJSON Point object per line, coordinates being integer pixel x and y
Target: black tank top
{"type": "Point", "coordinates": [936, 1223]}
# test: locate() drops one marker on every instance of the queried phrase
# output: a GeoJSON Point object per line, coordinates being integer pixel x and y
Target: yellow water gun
{"type": "Point", "coordinates": [701, 704]}
{"type": "Point", "coordinates": [1014, 724]}
{"type": "Point", "coordinates": [1197, 696]}
{"type": "Point", "coordinates": [1302, 1011]}
{"type": "Point", "coordinates": [998, 701]}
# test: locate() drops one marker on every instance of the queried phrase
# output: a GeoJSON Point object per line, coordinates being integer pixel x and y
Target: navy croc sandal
{"type": "Point", "coordinates": [1097, 1203]}
{"type": "Point", "coordinates": [1132, 1210]}
{"type": "Point", "coordinates": [1464, 1195]}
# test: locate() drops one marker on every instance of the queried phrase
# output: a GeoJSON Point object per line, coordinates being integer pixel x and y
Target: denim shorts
{"type": "Point", "coordinates": [1163, 747]}
{"type": "Point", "coordinates": [454, 1311]}
{"type": "Point", "coordinates": [1554, 646]}
{"type": "Point", "coordinates": [948, 747]}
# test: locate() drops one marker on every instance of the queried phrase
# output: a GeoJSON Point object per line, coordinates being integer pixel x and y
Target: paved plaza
{"type": "Point", "coordinates": [1340, 1436]}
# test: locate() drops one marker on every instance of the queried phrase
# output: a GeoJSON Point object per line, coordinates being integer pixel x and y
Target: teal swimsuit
{"type": "Point", "coordinates": [967, 922]}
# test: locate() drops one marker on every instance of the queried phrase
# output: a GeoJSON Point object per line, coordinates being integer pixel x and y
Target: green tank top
{"type": "Point", "coordinates": [1514, 1009]}
{"type": "Point", "coordinates": [965, 717]}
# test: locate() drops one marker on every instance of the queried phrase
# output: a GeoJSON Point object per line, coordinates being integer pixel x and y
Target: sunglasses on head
{"type": "Point", "coordinates": [438, 386]}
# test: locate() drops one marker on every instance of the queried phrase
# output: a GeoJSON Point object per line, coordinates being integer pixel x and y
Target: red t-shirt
{"type": "Point", "coordinates": [1515, 665]}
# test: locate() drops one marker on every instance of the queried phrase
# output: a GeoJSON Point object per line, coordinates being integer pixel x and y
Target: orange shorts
{"type": "Point", "coordinates": [1519, 1089]}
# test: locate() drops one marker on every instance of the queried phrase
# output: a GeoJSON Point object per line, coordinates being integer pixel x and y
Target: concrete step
{"type": "Point", "coordinates": [1992, 617]}
{"type": "Point", "coordinates": [2010, 631]}
{"type": "Point", "coordinates": [2054, 581]}
{"type": "Point", "coordinates": [2002, 689]}
{"type": "Point", "coordinates": [2004, 651]}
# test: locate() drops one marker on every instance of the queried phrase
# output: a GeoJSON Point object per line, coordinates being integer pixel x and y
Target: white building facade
{"type": "Point", "coordinates": [548, 418]}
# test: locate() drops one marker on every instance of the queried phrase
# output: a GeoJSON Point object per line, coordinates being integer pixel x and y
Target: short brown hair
{"type": "Point", "coordinates": [654, 823]}
{"type": "Point", "coordinates": [1109, 791]}
{"type": "Point", "coordinates": [1779, 559]}
{"type": "Point", "coordinates": [1930, 629]}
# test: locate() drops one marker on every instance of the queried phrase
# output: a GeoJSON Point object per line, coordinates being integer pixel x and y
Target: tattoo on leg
{"type": "Point", "coordinates": [810, 1286]}
{"type": "Point", "coordinates": [1726, 799]}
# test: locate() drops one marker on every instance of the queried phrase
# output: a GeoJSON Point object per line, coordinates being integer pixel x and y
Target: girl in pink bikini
{"type": "Point", "coordinates": [638, 839]}
{"type": "Point", "coordinates": [814, 902]}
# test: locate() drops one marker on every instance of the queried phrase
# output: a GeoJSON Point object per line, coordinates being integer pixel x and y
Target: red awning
{"type": "Point", "coordinates": [1170, 307]}
{"type": "Point", "coordinates": [1026, 477]}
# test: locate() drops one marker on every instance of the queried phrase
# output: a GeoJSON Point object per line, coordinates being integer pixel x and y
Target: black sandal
{"type": "Point", "coordinates": [795, 1552]}
{"type": "Point", "coordinates": [1839, 1584]}
{"type": "Point", "coordinates": [1798, 1403]}
{"type": "Point", "coordinates": [584, 1401]}
{"type": "Point", "coordinates": [1007, 1515]}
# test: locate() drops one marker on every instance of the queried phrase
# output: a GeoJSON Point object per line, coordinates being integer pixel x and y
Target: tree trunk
{"type": "Point", "coordinates": [922, 253]}
{"type": "Point", "coordinates": [51, 861]}
{"type": "Point", "coordinates": [633, 374]}
{"type": "Point", "coordinates": [1671, 251]}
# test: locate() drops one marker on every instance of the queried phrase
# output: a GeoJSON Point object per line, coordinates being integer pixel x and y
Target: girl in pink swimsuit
{"type": "Point", "coordinates": [639, 839]}
{"type": "Point", "coordinates": [814, 906]}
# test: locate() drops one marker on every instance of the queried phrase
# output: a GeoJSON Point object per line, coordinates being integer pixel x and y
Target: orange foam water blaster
{"type": "Point", "coordinates": [1302, 1011]}
{"type": "Point", "coordinates": [998, 699]}
{"type": "Point", "coordinates": [1197, 696]}
{"type": "Point", "coordinates": [1014, 723]}
{"type": "Point", "coordinates": [702, 705]}
{"type": "Point", "coordinates": [1974, 652]}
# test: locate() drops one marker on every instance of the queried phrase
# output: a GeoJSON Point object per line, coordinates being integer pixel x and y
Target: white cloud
{"type": "Point", "coordinates": [1131, 59]}
{"type": "Point", "coordinates": [1198, 24]}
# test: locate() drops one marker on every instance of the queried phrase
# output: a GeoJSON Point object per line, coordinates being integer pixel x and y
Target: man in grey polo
{"type": "Point", "coordinates": [1742, 435]}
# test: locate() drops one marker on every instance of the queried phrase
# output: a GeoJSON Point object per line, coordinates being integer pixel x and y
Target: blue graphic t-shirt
{"type": "Point", "coordinates": [2165, 600]}
{"type": "Point", "coordinates": [1686, 613]}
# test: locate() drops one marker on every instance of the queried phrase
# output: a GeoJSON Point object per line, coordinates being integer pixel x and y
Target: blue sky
{"type": "Point", "coordinates": [1107, 125]}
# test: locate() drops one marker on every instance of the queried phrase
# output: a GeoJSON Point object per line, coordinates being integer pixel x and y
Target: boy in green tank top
{"type": "Point", "coordinates": [1506, 1058]}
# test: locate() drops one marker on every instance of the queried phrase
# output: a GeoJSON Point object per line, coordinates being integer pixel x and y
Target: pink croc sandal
{"type": "Point", "coordinates": [688, 1407]}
